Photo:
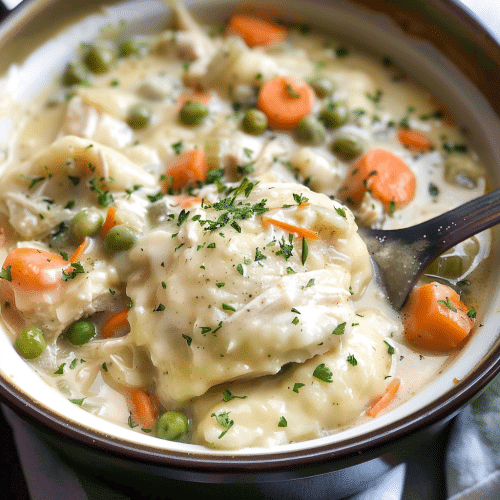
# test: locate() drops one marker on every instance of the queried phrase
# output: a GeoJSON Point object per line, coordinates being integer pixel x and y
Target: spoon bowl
{"type": "Point", "coordinates": [401, 255]}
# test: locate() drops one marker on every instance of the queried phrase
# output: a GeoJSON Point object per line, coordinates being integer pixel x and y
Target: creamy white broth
{"type": "Point", "coordinates": [95, 374]}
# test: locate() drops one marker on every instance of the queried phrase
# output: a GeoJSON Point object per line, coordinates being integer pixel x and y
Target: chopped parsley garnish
{"type": "Point", "coordinates": [390, 348]}
{"type": "Point", "coordinates": [295, 321]}
{"type": "Point", "coordinates": [131, 423]}
{"type": "Point", "coordinates": [448, 304]}
{"type": "Point", "coordinates": [73, 364]}
{"type": "Point", "coordinates": [5, 274]}
{"type": "Point", "coordinates": [77, 268]}
{"type": "Point", "coordinates": [433, 190]}
{"type": "Point", "coordinates": [291, 91]}
{"type": "Point", "coordinates": [352, 360]}
{"type": "Point", "coordinates": [305, 250]}
{"type": "Point", "coordinates": [182, 217]}
{"type": "Point", "coordinates": [259, 255]}
{"type": "Point", "coordinates": [105, 367]}
{"type": "Point", "coordinates": [187, 338]}
{"type": "Point", "coordinates": [339, 329]}
{"type": "Point", "coordinates": [286, 249]}
{"type": "Point", "coordinates": [227, 307]}
{"type": "Point", "coordinates": [299, 199]}
{"type": "Point", "coordinates": [177, 147]}
{"type": "Point", "coordinates": [60, 369]}
{"type": "Point", "coordinates": [227, 395]}
{"type": "Point", "coordinates": [78, 402]}
{"type": "Point", "coordinates": [310, 283]}
{"type": "Point", "coordinates": [104, 198]}
{"type": "Point", "coordinates": [223, 420]}
{"type": "Point", "coordinates": [282, 422]}
{"type": "Point", "coordinates": [160, 308]}
{"type": "Point", "coordinates": [74, 180]}
{"type": "Point", "coordinates": [323, 373]}
{"type": "Point", "coordinates": [239, 268]}
{"type": "Point", "coordinates": [472, 312]}
{"type": "Point", "coordinates": [297, 386]}
{"type": "Point", "coordinates": [341, 212]}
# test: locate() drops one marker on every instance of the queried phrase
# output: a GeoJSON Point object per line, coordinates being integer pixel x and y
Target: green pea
{"type": "Point", "coordinates": [347, 147]}
{"type": "Point", "coordinates": [86, 222]}
{"type": "Point", "coordinates": [310, 131]}
{"type": "Point", "coordinates": [172, 425]}
{"type": "Point", "coordinates": [139, 116]}
{"type": "Point", "coordinates": [30, 343]}
{"type": "Point", "coordinates": [120, 237]}
{"type": "Point", "coordinates": [80, 332]}
{"type": "Point", "coordinates": [334, 115]}
{"type": "Point", "coordinates": [99, 58]}
{"type": "Point", "coordinates": [322, 86]}
{"type": "Point", "coordinates": [75, 74]}
{"type": "Point", "coordinates": [254, 122]}
{"type": "Point", "coordinates": [131, 48]}
{"type": "Point", "coordinates": [192, 113]}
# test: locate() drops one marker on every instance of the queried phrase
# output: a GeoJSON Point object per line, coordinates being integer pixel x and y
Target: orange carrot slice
{"type": "Point", "coordinates": [33, 269]}
{"type": "Point", "coordinates": [113, 325]}
{"type": "Point", "coordinates": [187, 168]}
{"type": "Point", "coordinates": [285, 101]}
{"type": "Point", "coordinates": [435, 318]}
{"type": "Point", "coordinates": [384, 401]}
{"type": "Point", "coordinates": [414, 140]}
{"type": "Point", "coordinates": [386, 176]}
{"type": "Point", "coordinates": [109, 222]}
{"type": "Point", "coordinates": [80, 250]}
{"type": "Point", "coordinates": [254, 31]}
{"type": "Point", "coordinates": [301, 232]}
{"type": "Point", "coordinates": [143, 408]}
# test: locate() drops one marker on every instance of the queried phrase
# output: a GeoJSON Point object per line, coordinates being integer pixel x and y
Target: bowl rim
{"type": "Point", "coordinates": [361, 447]}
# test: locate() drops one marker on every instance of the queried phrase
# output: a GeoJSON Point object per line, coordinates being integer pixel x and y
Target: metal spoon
{"type": "Point", "coordinates": [400, 255]}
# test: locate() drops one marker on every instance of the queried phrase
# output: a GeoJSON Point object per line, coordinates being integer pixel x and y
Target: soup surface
{"type": "Point", "coordinates": [180, 249]}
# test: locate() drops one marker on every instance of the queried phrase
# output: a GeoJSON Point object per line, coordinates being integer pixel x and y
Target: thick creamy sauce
{"type": "Point", "coordinates": [259, 335]}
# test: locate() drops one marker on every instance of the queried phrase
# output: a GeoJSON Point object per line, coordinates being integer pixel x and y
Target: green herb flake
{"type": "Point", "coordinates": [390, 348]}
{"type": "Point", "coordinates": [291, 91]}
{"type": "Point", "coordinates": [77, 268]}
{"type": "Point", "coordinates": [341, 212]}
{"type": "Point", "coordinates": [105, 367]}
{"type": "Point", "coordinates": [227, 307]}
{"type": "Point", "coordinates": [339, 329]}
{"type": "Point", "coordinates": [295, 321]}
{"type": "Point", "coordinates": [223, 420]}
{"type": "Point", "coordinates": [5, 274]}
{"type": "Point", "coordinates": [352, 360]}
{"type": "Point", "coordinates": [297, 386]}
{"type": "Point", "coordinates": [60, 369]}
{"type": "Point", "coordinates": [305, 250]}
{"type": "Point", "coordinates": [472, 313]}
{"type": "Point", "coordinates": [310, 283]}
{"type": "Point", "coordinates": [131, 423]}
{"type": "Point", "coordinates": [239, 268]}
{"type": "Point", "coordinates": [227, 395]}
{"type": "Point", "coordinates": [282, 422]}
{"type": "Point", "coordinates": [188, 339]}
{"type": "Point", "coordinates": [323, 373]}
{"type": "Point", "coordinates": [177, 147]}
{"type": "Point", "coordinates": [160, 308]}
{"type": "Point", "coordinates": [73, 364]}
{"type": "Point", "coordinates": [447, 303]}
{"type": "Point", "coordinates": [78, 402]}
